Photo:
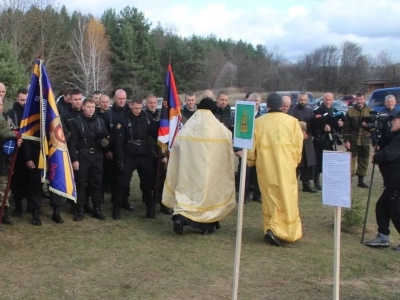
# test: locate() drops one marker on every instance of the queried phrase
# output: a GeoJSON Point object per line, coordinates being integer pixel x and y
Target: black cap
{"type": "Point", "coordinates": [206, 103]}
{"type": "Point", "coordinates": [274, 101]}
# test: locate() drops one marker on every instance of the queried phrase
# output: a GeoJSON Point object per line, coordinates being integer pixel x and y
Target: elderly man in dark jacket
{"type": "Point", "coordinates": [308, 160]}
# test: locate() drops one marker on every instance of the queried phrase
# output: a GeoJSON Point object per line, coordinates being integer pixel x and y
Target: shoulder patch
{"type": "Point", "coordinates": [119, 125]}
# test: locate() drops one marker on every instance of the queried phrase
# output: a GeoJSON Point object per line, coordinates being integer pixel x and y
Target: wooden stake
{"type": "Point", "coordinates": [239, 224]}
{"type": "Point", "coordinates": [336, 258]}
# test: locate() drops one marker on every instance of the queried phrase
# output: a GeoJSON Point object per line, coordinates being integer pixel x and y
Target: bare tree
{"type": "Point", "coordinates": [90, 47]}
{"type": "Point", "coordinates": [14, 26]}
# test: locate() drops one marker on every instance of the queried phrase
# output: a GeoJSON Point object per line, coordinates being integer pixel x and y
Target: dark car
{"type": "Point", "coordinates": [340, 106]}
{"type": "Point", "coordinates": [293, 96]}
{"type": "Point", "coordinates": [377, 99]}
{"type": "Point", "coordinates": [348, 99]}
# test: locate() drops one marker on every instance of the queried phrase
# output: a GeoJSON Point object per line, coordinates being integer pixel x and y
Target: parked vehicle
{"type": "Point", "coordinates": [377, 99]}
{"type": "Point", "coordinates": [348, 99]}
{"type": "Point", "coordinates": [340, 106]}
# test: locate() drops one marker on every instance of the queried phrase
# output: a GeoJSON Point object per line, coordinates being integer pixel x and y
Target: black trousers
{"type": "Point", "coordinates": [306, 174]}
{"type": "Point", "coordinates": [161, 175]}
{"type": "Point", "coordinates": [251, 182]}
{"type": "Point", "coordinates": [144, 166]}
{"type": "Point", "coordinates": [388, 208]}
{"type": "Point", "coordinates": [90, 174]}
{"type": "Point", "coordinates": [109, 173]}
{"type": "Point", "coordinates": [34, 193]}
{"type": "Point", "coordinates": [18, 182]}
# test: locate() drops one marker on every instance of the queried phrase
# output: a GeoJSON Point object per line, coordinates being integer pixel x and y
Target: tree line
{"type": "Point", "coordinates": [123, 50]}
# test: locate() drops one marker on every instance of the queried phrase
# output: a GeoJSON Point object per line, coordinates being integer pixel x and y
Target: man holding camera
{"type": "Point", "coordinates": [381, 137]}
{"type": "Point", "coordinates": [324, 125]}
{"type": "Point", "coordinates": [357, 138]}
{"type": "Point", "coordinates": [87, 142]}
{"type": "Point", "coordinates": [388, 205]}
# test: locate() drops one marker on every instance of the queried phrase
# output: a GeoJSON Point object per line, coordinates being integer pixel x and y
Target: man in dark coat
{"type": "Point", "coordinates": [308, 159]}
{"type": "Point", "coordinates": [324, 125]}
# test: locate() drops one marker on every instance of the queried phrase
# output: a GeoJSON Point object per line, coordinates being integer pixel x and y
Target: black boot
{"type": "Point", "coordinates": [116, 212]}
{"type": "Point", "coordinates": [307, 188]}
{"type": "Point", "coordinates": [73, 207]}
{"type": "Point", "coordinates": [56, 215]}
{"type": "Point", "coordinates": [149, 210]}
{"type": "Point", "coordinates": [79, 212]}
{"type": "Point", "coordinates": [6, 219]}
{"type": "Point", "coordinates": [126, 205]}
{"type": "Point", "coordinates": [18, 208]}
{"type": "Point", "coordinates": [165, 210]}
{"type": "Point", "coordinates": [97, 212]}
{"type": "Point", "coordinates": [361, 182]}
{"type": "Point", "coordinates": [87, 208]}
{"type": "Point", "coordinates": [35, 218]}
{"type": "Point", "coordinates": [317, 186]}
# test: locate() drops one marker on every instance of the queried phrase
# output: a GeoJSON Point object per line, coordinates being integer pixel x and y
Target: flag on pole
{"type": "Point", "coordinates": [41, 122]}
{"type": "Point", "coordinates": [170, 117]}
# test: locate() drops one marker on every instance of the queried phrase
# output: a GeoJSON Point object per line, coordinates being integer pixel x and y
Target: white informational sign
{"type": "Point", "coordinates": [243, 133]}
{"type": "Point", "coordinates": [336, 178]}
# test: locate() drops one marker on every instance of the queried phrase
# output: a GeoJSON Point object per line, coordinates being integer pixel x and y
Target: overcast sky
{"type": "Point", "coordinates": [294, 26]}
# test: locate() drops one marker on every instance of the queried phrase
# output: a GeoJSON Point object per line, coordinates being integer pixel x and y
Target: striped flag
{"type": "Point", "coordinates": [170, 117]}
{"type": "Point", "coordinates": [41, 122]}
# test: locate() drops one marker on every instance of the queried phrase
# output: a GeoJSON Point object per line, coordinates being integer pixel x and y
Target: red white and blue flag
{"type": "Point", "coordinates": [170, 117]}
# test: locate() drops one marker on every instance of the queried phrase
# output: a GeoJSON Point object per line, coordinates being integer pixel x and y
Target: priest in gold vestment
{"type": "Point", "coordinates": [277, 148]}
{"type": "Point", "coordinates": [200, 185]}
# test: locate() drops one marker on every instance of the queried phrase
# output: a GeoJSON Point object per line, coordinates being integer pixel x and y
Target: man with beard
{"type": "Point", "coordinates": [223, 111]}
{"type": "Point", "coordinates": [277, 148]}
{"type": "Point", "coordinates": [21, 172]}
{"type": "Point", "coordinates": [114, 118]}
{"type": "Point", "coordinates": [308, 160]}
{"type": "Point", "coordinates": [200, 191]}
{"type": "Point", "coordinates": [324, 125]}
{"type": "Point", "coordinates": [286, 103]}
{"type": "Point", "coordinates": [190, 107]}
{"type": "Point", "coordinates": [357, 138]}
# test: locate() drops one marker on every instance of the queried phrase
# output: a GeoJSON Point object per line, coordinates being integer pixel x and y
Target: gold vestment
{"type": "Point", "coordinates": [278, 144]}
{"type": "Point", "coordinates": [200, 176]}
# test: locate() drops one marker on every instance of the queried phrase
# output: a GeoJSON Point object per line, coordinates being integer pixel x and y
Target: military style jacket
{"type": "Point", "coordinates": [353, 131]}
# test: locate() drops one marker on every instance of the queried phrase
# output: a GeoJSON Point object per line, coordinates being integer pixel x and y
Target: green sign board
{"type": "Point", "coordinates": [244, 124]}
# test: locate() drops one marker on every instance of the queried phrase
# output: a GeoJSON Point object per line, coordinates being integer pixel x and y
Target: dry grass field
{"type": "Point", "coordinates": [136, 258]}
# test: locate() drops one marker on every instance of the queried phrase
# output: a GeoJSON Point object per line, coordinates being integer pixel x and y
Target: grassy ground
{"type": "Point", "coordinates": [136, 258]}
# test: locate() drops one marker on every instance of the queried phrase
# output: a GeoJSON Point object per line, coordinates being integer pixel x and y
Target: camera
{"type": "Point", "coordinates": [381, 123]}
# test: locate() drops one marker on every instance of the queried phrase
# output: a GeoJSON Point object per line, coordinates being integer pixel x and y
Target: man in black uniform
{"type": "Point", "coordinates": [324, 125]}
{"type": "Point", "coordinates": [151, 110]}
{"type": "Point", "coordinates": [72, 111]}
{"type": "Point", "coordinates": [308, 160]}
{"type": "Point", "coordinates": [190, 107]}
{"type": "Point", "coordinates": [21, 172]}
{"type": "Point", "coordinates": [87, 141]}
{"type": "Point", "coordinates": [223, 111]}
{"type": "Point", "coordinates": [64, 102]}
{"type": "Point", "coordinates": [388, 205]}
{"type": "Point", "coordinates": [114, 118]}
{"type": "Point", "coordinates": [133, 152]}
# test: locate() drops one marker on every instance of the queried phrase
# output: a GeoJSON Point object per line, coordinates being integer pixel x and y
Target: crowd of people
{"type": "Point", "coordinates": [107, 143]}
